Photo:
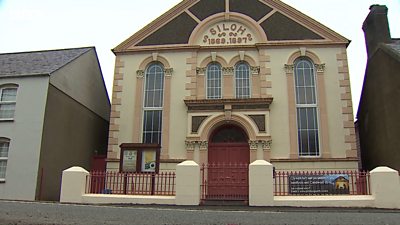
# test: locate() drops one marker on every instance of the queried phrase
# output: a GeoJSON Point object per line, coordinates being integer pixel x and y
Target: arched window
{"type": "Point", "coordinates": [229, 133]}
{"type": "Point", "coordinates": [153, 103]}
{"type": "Point", "coordinates": [4, 146]}
{"type": "Point", "coordinates": [306, 105]}
{"type": "Point", "coordinates": [214, 81]}
{"type": "Point", "coordinates": [8, 98]}
{"type": "Point", "coordinates": [242, 80]}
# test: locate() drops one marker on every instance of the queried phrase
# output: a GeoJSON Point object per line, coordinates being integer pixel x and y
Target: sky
{"type": "Point", "coordinates": [30, 25]}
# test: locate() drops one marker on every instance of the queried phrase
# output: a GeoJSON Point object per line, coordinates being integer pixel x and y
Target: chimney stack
{"type": "Point", "coordinates": [376, 28]}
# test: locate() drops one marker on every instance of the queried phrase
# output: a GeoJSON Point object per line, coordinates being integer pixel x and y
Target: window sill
{"type": "Point", "coordinates": [2, 181]}
{"type": "Point", "coordinates": [309, 156]}
{"type": "Point", "coordinates": [7, 120]}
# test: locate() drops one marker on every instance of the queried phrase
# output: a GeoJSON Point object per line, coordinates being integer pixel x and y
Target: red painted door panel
{"type": "Point", "coordinates": [228, 171]}
{"type": "Point", "coordinates": [228, 153]}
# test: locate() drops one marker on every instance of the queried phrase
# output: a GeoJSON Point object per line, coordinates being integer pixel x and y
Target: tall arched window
{"type": "Point", "coordinates": [242, 80]}
{"type": "Point", "coordinates": [153, 103]}
{"type": "Point", "coordinates": [214, 81]}
{"type": "Point", "coordinates": [4, 146]}
{"type": "Point", "coordinates": [306, 105]}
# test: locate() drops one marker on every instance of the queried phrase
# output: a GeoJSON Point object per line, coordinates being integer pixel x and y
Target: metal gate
{"type": "Point", "coordinates": [225, 182]}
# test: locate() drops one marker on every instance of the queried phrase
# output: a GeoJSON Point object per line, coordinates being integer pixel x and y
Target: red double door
{"type": "Point", "coordinates": [227, 171]}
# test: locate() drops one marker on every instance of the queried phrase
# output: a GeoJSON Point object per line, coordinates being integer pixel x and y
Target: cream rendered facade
{"type": "Point", "coordinates": [268, 116]}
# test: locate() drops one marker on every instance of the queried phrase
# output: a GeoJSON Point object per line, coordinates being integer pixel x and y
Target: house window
{"type": "Point", "coordinates": [214, 81]}
{"type": "Point", "coordinates": [4, 145]}
{"type": "Point", "coordinates": [8, 97]}
{"type": "Point", "coordinates": [306, 104]}
{"type": "Point", "coordinates": [153, 103]}
{"type": "Point", "coordinates": [242, 80]}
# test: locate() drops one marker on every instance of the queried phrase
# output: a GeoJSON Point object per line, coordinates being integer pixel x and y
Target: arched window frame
{"type": "Point", "coordinates": [153, 99]}
{"type": "Point", "coordinates": [214, 81]}
{"type": "Point", "coordinates": [228, 133]}
{"type": "Point", "coordinates": [4, 150]}
{"type": "Point", "coordinates": [308, 134]}
{"type": "Point", "coordinates": [243, 91]}
{"type": "Point", "coordinates": [8, 100]}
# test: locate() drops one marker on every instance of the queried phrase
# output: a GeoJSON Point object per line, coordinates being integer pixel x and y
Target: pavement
{"type": "Point", "coordinates": [53, 213]}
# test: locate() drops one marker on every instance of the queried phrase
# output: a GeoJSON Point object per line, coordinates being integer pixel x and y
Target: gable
{"type": "Point", "coordinates": [252, 8]}
{"type": "Point", "coordinates": [279, 27]}
{"type": "Point", "coordinates": [269, 20]}
{"type": "Point", "coordinates": [182, 24]}
{"type": "Point", "coordinates": [206, 8]}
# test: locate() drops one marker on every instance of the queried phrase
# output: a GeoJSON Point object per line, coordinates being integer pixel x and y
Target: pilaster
{"type": "Point", "coordinates": [113, 134]}
{"type": "Point", "coordinates": [347, 109]}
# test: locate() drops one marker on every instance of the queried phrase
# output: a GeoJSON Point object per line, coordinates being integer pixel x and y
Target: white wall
{"type": "Point", "coordinates": [25, 134]}
{"type": "Point", "coordinates": [384, 183]}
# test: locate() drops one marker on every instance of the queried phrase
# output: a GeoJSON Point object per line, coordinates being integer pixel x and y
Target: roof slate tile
{"type": "Point", "coordinates": [37, 62]}
{"type": "Point", "coordinates": [395, 46]}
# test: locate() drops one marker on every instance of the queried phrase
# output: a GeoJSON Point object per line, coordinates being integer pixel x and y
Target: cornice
{"type": "Point", "coordinates": [269, 44]}
{"type": "Point", "coordinates": [246, 101]}
{"type": "Point", "coordinates": [234, 104]}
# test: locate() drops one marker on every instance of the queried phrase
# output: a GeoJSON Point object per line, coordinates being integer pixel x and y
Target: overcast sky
{"type": "Point", "coordinates": [28, 25]}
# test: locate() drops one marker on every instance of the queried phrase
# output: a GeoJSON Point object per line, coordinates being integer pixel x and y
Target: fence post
{"type": "Point", "coordinates": [187, 183]}
{"type": "Point", "coordinates": [385, 187]}
{"type": "Point", "coordinates": [261, 192]}
{"type": "Point", "coordinates": [73, 184]}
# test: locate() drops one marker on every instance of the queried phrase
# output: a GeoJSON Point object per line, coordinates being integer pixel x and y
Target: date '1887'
{"type": "Point", "coordinates": [230, 40]}
{"type": "Point", "coordinates": [227, 34]}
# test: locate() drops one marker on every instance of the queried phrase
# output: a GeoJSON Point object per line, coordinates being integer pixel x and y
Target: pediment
{"type": "Point", "coordinates": [225, 23]}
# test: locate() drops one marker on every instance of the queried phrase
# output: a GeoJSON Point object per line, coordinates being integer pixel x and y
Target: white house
{"type": "Point", "coordinates": [54, 113]}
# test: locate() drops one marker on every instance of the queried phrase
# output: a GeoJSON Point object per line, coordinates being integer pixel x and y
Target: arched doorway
{"type": "Point", "coordinates": [228, 160]}
{"type": "Point", "coordinates": [228, 144]}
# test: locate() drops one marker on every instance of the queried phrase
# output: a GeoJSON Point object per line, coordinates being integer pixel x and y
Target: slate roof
{"type": "Point", "coordinates": [395, 46]}
{"type": "Point", "coordinates": [37, 62]}
{"type": "Point", "coordinates": [392, 48]}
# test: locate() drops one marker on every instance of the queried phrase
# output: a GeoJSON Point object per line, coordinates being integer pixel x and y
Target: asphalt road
{"type": "Point", "coordinates": [22, 213]}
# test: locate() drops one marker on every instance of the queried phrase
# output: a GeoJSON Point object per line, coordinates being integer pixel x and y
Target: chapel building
{"type": "Point", "coordinates": [234, 81]}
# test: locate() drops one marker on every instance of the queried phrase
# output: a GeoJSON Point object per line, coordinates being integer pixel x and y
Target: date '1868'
{"type": "Point", "coordinates": [227, 33]}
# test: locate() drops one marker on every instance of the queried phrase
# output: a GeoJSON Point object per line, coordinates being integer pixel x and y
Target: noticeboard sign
{"type": "Point", "coordinates": [319, 184]}
{"type": "Point", "coordinates": [149, 161]}
{"type": "Point", "coordinates": [129, 161]}
{"type": "Point", "coordinates": [139, 157]}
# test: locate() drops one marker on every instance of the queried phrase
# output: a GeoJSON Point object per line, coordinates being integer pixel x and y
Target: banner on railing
{"type": "Point", "coordinates": [319, 184]}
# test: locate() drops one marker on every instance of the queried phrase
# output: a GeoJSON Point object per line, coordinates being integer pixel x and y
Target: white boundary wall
{"type": "Point", "coordinates": [127, 199]}
{"type": "Point", "coordinates": [385, 190]}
